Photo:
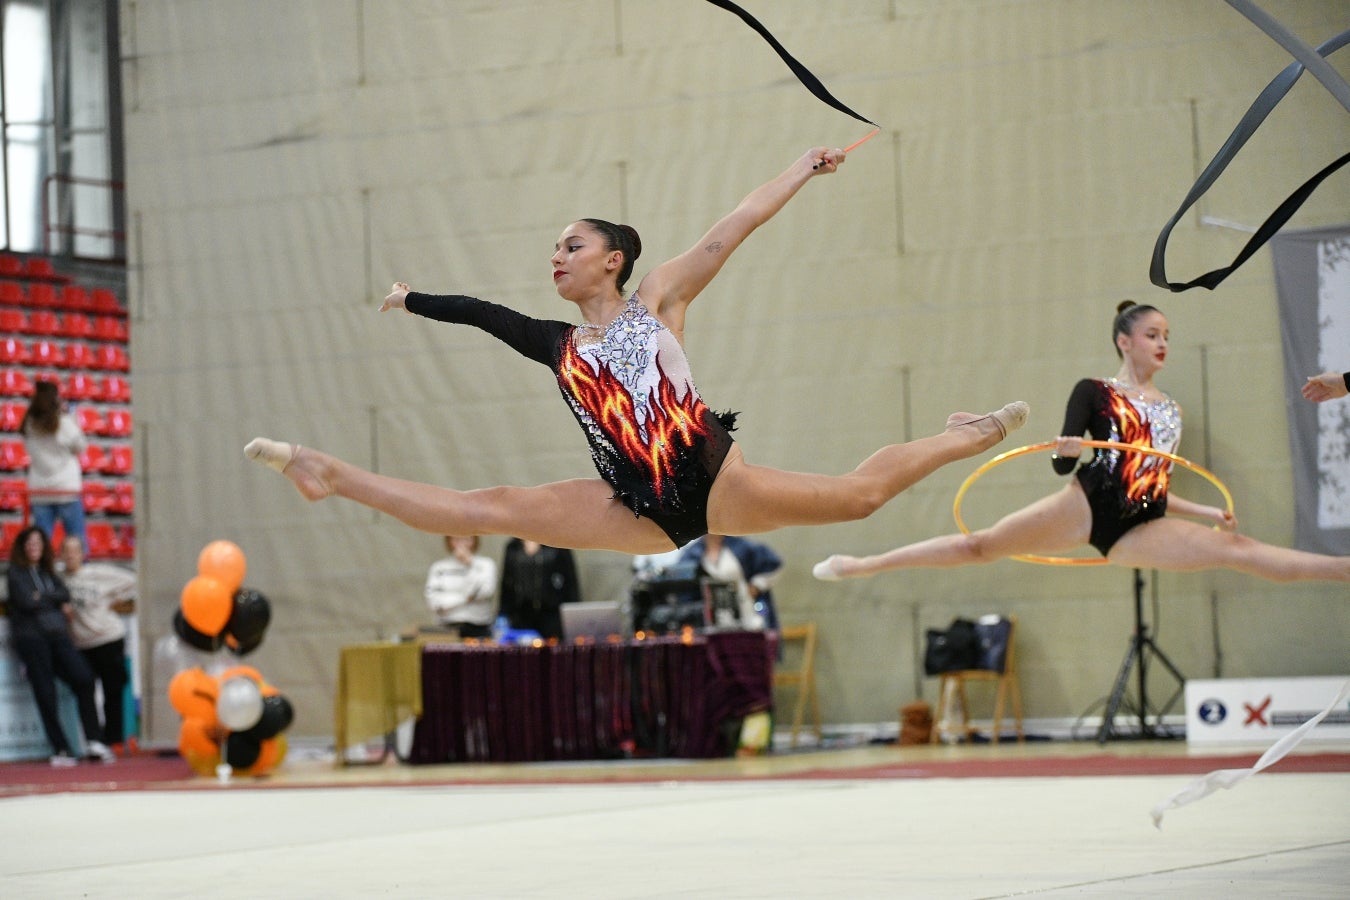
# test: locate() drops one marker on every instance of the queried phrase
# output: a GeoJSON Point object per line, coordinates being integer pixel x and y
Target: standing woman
{"type": "Point", "coordinates": [536, 582]}
{"type": "Point", "coordinates": [1119, 501]}
{"type": "Point", "coordinates": [54, 444]}
{"type": "Point", "coordinates": [39, 616]}
{"type": "Point", "coordinates": [669, 469]}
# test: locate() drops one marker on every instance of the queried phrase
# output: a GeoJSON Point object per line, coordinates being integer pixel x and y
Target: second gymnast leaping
{"type": "Point", "coordinates": [1118, 501]}
{"type": "Point", "coordinates": [669, 469]}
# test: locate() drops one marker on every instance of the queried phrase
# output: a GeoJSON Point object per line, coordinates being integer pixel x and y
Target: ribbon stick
{"type": "Point", "coordinates": [1226, 778]}
{"type": "Point", "coordinates": [858, 143]}
{"type": "Point", "coordinates": [804, 75]}
{"type": "Point", "coordinates": [862, 140]}
{"type": "Point", "coordinates": [1251, 120]}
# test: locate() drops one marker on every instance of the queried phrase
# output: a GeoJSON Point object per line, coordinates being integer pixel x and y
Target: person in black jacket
{"type": "Point", "coordinates": [536, 581]}
{"type": "Point", "coordinates": [39, 616]}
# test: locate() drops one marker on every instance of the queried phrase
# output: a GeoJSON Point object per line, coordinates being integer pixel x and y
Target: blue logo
{"type": "Point", "coordinates": [1212, 712]}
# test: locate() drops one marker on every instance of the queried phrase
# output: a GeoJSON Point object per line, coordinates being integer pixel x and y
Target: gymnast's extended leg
{"type": "Point", "coordinates": [580, 514]}
{"type": "Point", "coordinates": [1052, 524]}
{"type": "Point", "coordinates": [1181, 545]}
{"type": "Point", "coordinates": [750, 499]}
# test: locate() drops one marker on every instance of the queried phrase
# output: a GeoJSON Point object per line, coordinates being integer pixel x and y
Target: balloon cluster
{"type": "Point", "coordinates": [215, 608]}
{"type": "Point", "coordinates": [233, 719]}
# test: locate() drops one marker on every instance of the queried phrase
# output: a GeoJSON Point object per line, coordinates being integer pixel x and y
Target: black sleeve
{"type": "Point", "coordinates": [1346, 379]}
{"type": "Point", "coordinates": [532, 338]}
{"type": "Point", "coordinates": [571, 592]}
{"type": "Point", "coordinates": [1077, 415]}
{"type": "Point", "coordinates": [507, 602]}
{"type": "Point", "coordinates": [20, 593]}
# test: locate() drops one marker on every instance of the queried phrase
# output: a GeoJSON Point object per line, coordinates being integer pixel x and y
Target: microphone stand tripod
{"type": "Point", "coordinates": [1141, 644]}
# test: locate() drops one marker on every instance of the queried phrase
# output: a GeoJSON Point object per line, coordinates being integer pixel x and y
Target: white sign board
{"type": "Point", "coordinates": [1262, 710]}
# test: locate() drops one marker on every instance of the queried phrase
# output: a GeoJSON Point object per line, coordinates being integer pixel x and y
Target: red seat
{"type": "Point", "coordinates": [105, 301]}
{"type": "Point", "coordinates": [12, 293]}
{"type": "Point", "coordinates": [101, 539]}
{"type": "Point", "coordinates": [112, 357]}
{"type": "Point", "coordinates": [90, 420]}
{"type": "Point", "coordinates": [124, 542]}
{"type": "Point", "coordinates": [13, 456]}
{"type": "Point", "coordinates": [49, 353]}
{"type": "Point", "coordinates": [118, 423]}
{"type": "Point", "coordinates": [93, 459]}
{"type": "Point", "coordinates": [40, 267]}
{"type": "Point", "coordinates": [14, 352]}
{"type": "Point", "coordinates": [13, 321]}
{"type": "Point", "coordinates": [104, 328]}
{"type": "Point", "coordinates": [116, 389]}
{"type": "Point", "coordinates": [8, 532]}
{"type": "Point", "coordinates": [97, 496]}
{"type": "Point", "coordinates": [76, 325]}
{"type": "Point", "coordinates": [76, 298]}
{"type": "Point", "coordinates": [81, 385]}
{"type": "Point", "coordinates": [79, 356]}
{"type": "Point", "coordinates": [123, 499]}
{"type": "Point", "coordinates": [10, 264]}
{"type": "Point", "coordinates": [119, 460]}
{"type": "Point", "coordinates": [11, 415]}
{"type": "Point", "coordinates": [41, 295]}
{"type": "Point", "coordinates": [43, 321]}
{"type": "Point", "coordinates": [15, 383]}
{"type": "Point", "coordinates": [13, 493]}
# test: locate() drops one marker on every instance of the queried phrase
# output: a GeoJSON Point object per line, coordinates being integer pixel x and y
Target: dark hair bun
{"type": "Point", "coordinates": [632, 235]}
{"type": "Point", "coordinates": [1124, 305]}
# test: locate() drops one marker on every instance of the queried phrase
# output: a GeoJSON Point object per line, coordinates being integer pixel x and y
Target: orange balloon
{"type": "Point", "coordinates": [197, 745]}
{"type": "Point", "coordinates": [194, 693]}
{"type": "Point", "coordinates": [223, 561]}
{"type": "Point", "coordinates": [207, 604]}
{"type": "Point", "coordinates": [272, 753]}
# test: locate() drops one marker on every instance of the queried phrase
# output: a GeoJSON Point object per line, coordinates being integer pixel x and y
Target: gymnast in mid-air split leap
{"type": "Point", "coordinates": [669, 469]}
{"type": "Point", "coordinates": [1119, 500]}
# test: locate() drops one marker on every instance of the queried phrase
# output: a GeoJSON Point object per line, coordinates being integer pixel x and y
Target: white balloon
{"type": "Point", "coordinates": [240, 704]}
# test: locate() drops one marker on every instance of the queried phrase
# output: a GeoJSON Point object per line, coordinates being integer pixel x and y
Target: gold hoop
{"type": "Point", "coordinates": [1104, 445]}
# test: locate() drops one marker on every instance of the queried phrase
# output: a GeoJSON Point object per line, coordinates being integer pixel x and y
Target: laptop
{"type": "Point", "coordinates": [595, 619]}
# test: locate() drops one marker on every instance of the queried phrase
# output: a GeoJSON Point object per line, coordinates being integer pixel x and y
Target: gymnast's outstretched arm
{"type": "Point", "coordinates": [668, 289]}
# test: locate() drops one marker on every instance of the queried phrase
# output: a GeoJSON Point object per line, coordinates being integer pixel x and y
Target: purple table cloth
{"type": "Point", "coordinates": [658, 697]}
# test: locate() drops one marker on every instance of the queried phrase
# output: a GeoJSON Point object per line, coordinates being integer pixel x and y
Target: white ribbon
{"type": "Point", "coordinates": [1226, 778]}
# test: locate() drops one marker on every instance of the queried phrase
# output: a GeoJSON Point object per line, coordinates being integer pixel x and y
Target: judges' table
{"type": "Point", "coordinates": [665, 696]}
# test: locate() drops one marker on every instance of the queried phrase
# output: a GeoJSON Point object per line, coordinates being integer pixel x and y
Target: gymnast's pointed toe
{"type": "Point", "coordinates": [1012, 416]}
{"type": "Point", "coordinates": [825, 570]}
{"type": "Point", "coordinates": [273, 454]}
{"type": "Point", "coordinates": [311, 473]}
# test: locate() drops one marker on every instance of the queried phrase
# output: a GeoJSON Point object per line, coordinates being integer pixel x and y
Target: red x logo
{"type": "Point", "coordinates": [1257, 714]}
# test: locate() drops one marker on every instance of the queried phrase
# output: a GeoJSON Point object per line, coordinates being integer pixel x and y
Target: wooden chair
{"type": "Point", "coordinates": [803, 679]}
{"type": "Point", "coordinates": [998, 639]}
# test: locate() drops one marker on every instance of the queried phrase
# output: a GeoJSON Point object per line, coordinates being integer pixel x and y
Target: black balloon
{"type": "Point", "coordinates": [192, 637]}
{"type": "Point", "coordinates": [277, 715]}
{"type": "Point", "coordinates": [241, 648]}
{"type": "Point", "coordinates": [248, 618]}
{"type": "Point", "coordinates": [241, 750]}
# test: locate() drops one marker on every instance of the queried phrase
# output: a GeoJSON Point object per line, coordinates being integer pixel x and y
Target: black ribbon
{"type": "Point", "coordinates": [1260, 109]}
{"type": "Point", "coordinates": [804, 75]}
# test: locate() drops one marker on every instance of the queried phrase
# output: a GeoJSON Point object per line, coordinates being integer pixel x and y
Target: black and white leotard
{"type": "Point", "coordinates": [1123, 489]}
{"type": "Point", "coordinates": [652, 438]}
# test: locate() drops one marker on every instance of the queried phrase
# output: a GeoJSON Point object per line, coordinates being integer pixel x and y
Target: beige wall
{"type": "Point", "coordinates": [286, 162]}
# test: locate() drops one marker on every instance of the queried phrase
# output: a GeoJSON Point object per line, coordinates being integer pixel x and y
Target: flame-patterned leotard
{"type": "Point", "coordinates": [1123, 489]}
{"type": "Point", "coordinates": [652, 438]}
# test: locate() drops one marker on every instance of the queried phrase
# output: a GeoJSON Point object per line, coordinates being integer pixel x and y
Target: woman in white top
{"type": "Point", "coordinates": [461, 589]}
{"type": "Point", "coordinates": [54, 444]}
